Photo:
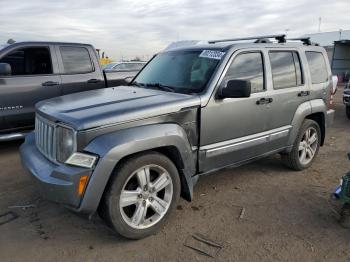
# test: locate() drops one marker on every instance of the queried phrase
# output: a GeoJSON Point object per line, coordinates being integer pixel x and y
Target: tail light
{"type": "Point", "coordinates": [332, 91]}
{"type": "Point", "coordinates": [331, 99]}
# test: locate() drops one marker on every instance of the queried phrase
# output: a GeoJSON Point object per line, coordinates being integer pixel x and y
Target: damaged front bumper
{"type": "Point", "coordinates": [57, 182]}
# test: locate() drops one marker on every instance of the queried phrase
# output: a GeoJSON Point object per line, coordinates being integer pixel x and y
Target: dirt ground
{"type": "Point", "coordinates": [287, 215]}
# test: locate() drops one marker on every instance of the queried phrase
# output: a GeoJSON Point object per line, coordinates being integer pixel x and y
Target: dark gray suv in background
{"type": "Point", "coordinates": [130, 152]}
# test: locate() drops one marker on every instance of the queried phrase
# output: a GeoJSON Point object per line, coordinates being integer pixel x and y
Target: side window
{"type": "Point", "coordinates": [139, 66]}
{"type": "Point", "coordinates": [76, 60]}
{"type": "Point", "coordinates": [29, 61]}
{"type": "Point", "coordinates": [248, 66]}
{"type": "Point", "coordinates": [130, 66]}
{"type": "Point", "coordinates": [136, 66]}
{"type": "Point", "coordinates": [120, 67]}
{"type": "Point", "coordinates": [286, 69]}
{"type": "Point", "coordinates": [317, 67]}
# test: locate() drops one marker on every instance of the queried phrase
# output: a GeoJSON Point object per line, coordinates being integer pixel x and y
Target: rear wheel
{"type": "Point", "coordinates": [305, 147]}
{"type": "Point", "coordinates": [142, 194]}
{"type": "Point", "coordinates": [348, 111]}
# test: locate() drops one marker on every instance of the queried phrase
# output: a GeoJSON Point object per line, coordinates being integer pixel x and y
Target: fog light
{"type": "Point", "coordinates": [80, 159]}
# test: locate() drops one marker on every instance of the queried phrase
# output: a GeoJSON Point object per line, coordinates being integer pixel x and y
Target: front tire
{"type": "Point", "coordinates": [348, 111]}
{"type": "Point", "coordinates": [142, 194]}
{"type": "Point", "coordinates": [306, 146]}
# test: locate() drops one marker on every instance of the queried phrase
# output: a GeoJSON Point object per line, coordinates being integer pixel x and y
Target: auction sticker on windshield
{"type": "Point", "coordinates": [212, 54]}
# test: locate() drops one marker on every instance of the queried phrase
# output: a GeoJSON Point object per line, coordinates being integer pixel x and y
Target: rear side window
{"type": "Point", "coordinates": [286, 69]}
{"type": "Point", "coordinates": [317, 66]}
{"type": "Point", "coordinates": [76, 60]}
{"type": "Point", "coordinates": [248, 66]}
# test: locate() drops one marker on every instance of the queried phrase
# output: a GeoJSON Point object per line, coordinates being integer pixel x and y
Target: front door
{"type": "Point", "coordinates": [33, 79]}
{"type": "Point", "coordinates": [236, 129]}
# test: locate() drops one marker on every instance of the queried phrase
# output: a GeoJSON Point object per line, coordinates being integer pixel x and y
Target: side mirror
{"type": "Point", "coordinates": [236, 89]}
{"type": "Point", "coordinates": [5, 69]}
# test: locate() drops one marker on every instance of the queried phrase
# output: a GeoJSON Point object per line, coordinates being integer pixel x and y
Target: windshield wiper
{"type": "Point", "coordinates": [137, 84]}
{"type": "Point", "coordinates": [161, 87]}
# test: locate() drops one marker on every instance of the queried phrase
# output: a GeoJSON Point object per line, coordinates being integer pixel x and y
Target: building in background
{"type": "Point", "coordinates": [337, 45]}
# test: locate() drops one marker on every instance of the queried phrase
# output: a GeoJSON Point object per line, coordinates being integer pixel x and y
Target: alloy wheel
{"type": "Point", "coordinates": [308, 146]}
{"type": "Point", "coordinates": [146, 196]}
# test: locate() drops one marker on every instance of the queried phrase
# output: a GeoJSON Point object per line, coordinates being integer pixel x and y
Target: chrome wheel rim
{"type": "Point", "coordinates": [308, 146]}
{"type": "Point", "coordinates": [146, 196]}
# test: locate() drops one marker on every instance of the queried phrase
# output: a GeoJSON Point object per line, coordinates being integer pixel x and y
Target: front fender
{"type": "Point", "coordinates": [112, 147]}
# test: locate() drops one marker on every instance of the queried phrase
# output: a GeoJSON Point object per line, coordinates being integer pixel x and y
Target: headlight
{"type": "Point", "coordinates": [66, 144]}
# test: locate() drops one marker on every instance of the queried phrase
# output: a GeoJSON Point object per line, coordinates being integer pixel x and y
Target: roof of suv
{"type": "Point", "coordinates": [246, 42]}
{"type": "Point", "coordinates": [224, 46]}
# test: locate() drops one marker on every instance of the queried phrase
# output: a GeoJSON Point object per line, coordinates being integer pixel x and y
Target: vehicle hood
{"type": "Point", "coordinates": [113, 105]}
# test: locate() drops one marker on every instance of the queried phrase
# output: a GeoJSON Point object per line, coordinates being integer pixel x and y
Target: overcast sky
{"type": "Point", "coordinates": [131, 28]}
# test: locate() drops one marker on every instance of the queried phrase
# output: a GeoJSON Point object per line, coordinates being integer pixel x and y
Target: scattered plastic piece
{"type": "Point", "coordinates": [23, 207]}
{"type": "Point", "coordinates": [241, 216]}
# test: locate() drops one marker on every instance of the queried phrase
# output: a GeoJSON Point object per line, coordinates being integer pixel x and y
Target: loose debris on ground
{"type": "Point", "coordinates": [203, 245]}
{"type": "Point", "coordinates": [7, 217]}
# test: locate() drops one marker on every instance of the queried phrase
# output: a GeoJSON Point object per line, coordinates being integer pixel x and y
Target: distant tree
{"type": "Point", "coordinates": [11, 41]}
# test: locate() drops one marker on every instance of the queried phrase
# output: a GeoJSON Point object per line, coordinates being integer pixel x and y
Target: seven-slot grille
{"type": "Point", "coordinates": [45, 137]}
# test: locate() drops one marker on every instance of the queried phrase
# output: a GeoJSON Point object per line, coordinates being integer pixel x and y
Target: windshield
{"type": "Point", "coordinates": [179, 71]}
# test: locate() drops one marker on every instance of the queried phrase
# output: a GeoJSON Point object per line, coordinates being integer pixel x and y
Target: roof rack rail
{"type": "Point", "coordinates": [280, 38]}
{"type": "Point", "coordinates": [304, 40]}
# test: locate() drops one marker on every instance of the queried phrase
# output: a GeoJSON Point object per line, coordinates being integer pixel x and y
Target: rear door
{"type": "Point", "coordinates": [289, 87]}
{"type": "Point", "coordinates": [80, 70]}
{"type": "Point", "coordinates": [34, 78]}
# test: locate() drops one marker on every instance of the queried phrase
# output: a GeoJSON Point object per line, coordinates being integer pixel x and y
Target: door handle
{"type": "Point", "coordinates": [93, 81]}
{"type": "Point", "coordinates": [304, 93]}
{"type": "Point", "coordinates": [50, 83]}
{"type": "Point", "coordinates": [263, 101]}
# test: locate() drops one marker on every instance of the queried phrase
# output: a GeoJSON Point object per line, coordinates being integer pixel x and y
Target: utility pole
{"type": "Point", "coordinates": [340, 31]}
{"type": "Point", "coordinates": [319, 24]}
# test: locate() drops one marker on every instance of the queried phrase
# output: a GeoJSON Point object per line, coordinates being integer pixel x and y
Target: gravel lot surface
{"type": "Point", "coordinates": [287, 215]}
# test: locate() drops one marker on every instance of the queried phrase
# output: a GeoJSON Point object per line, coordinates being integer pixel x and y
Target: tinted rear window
{"type": "Point", "coordinates": [286, 69]}
{"type": "Point", "coordinates": [76, 60]}
{"type": "Point", "coordinates": [317, 66]}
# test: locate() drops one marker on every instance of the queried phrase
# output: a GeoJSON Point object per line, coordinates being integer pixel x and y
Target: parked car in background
{"type": "Point", "coordinates": [35, 71]}
{"type": "Point", "coordinates": [130, 152]}
{"type": "Point", "coordinates": [346, 99]}
{"type": "Point", "coordinates": [118, 73]}
{"type": "Point", "coordinates": [113, 66]}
